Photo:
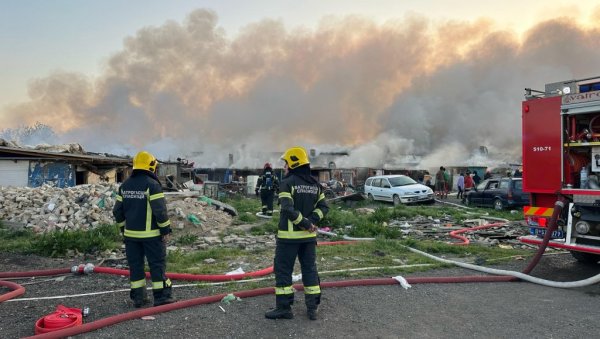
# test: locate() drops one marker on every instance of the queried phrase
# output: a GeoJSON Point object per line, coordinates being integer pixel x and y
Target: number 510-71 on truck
{"type": "Point", "coordinates": [561, 160]}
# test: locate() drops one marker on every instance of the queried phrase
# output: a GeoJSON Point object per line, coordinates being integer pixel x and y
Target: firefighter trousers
{"type": "Point", "coordinates": [266, 198]}
{"type": "Point", "coordinates": [285, 257]}
{"type": "Point", "coordinates": [154, 250]}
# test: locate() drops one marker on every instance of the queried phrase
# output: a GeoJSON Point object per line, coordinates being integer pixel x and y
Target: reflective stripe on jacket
{"type": "Point", "coordinates": [141, 209]}
{"type": "Point", "coordinates": [302, 204]}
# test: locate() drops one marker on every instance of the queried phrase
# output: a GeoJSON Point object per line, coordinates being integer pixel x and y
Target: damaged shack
{"type": "Point", "coordinates": [60, 166]}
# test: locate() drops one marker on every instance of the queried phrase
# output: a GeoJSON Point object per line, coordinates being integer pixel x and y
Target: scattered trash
{"type": "Point", "coordinates": [229, 298]}
{"type": "Point", "coordinates": [206, 200]}
{"type": "Point", "coordinates": [239, 270]}
{"type": "Point", "coordinates": [400, 279]}
{"type": "Point", "coordinates": [148, 317]}
{"type": "Point", "coordinates": [296, 277]}
{"type": "Point", "coordinates": [222, 309]}
{"type": "Point", "coordinates": [193, 219]}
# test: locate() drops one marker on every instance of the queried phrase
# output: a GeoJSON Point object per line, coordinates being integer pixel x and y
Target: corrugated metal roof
{"type": "Point", "coordinates": [12, 152]}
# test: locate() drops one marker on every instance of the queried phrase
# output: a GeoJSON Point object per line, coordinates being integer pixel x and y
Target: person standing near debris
{"type": "Point", "coordinates": [476, 178]}
{"type": "Point", "coordinates": [440, 183]}
{"type": "Point", "coordinates": [267, 185]}
{"type": "Point", "coordinates": [487, 175]}
{"type": "Point", "coordinates": [469, 184]}
{"type": "Point", "coordinates": [141, 214]}
{"type": "Point", "coordinates": [460, 186]}
{"type": "Point", "coordinates": [302, 207]}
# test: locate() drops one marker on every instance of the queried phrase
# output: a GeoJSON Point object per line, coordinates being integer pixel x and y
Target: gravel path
{"type": "Point", "coordinates": [472, 310]}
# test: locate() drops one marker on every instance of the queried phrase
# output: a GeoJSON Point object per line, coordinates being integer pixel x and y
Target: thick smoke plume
{"type": "Point", "coordinates": [382, 91]}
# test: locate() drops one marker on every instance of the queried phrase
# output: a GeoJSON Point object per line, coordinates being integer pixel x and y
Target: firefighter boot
{"type": "Point", "coordinates": [280, 312]}
{"type": "Point", "coordinates": [312, 304]}
{"type": "Point", "coordinates": [163, 296]}
{"type": "Point", "coordinates": [139, 296]}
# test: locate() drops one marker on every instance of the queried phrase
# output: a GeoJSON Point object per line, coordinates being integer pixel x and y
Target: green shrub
{"type": "Point", "coordinates": [57, 243]}
{"type": "Point", "coordinates": [188, 239]}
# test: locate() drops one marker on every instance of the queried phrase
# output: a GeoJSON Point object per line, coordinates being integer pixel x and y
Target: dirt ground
{"type": "Point", "coordinates": [494, 310]}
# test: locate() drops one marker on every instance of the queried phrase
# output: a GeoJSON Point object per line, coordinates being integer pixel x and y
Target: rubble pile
{"type": "Point", "coordinates": [438, 229]}
{"type": "Point", "coordinates": [47, 208]}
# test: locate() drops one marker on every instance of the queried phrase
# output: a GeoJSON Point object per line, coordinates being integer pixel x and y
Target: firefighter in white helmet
{"type": "Point", "coordinates": [141, 214]}
{"type": "Point", "coordinates": [302, 207]}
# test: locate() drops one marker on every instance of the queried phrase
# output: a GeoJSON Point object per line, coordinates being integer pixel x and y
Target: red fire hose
{"type": "Point", "coordinates": [94, 325]}
{"type": "Point", "coordinates": [465, 241]}
{"type": "Point", "coordinates": [62, 318]}
{"type": "Point", "coordinates": [193, 277]}
{"type": "Point", "coordinates": [17, 290]}
{"type": "Point", "coordinates": [269, 290]}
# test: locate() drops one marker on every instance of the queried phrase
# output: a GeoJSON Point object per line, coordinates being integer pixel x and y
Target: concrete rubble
{"type": "Point", "coordinates": [47, 208]}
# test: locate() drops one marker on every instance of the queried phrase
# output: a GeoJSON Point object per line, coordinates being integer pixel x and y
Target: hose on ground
{"type": "Point", "coordinates": [17, 290]}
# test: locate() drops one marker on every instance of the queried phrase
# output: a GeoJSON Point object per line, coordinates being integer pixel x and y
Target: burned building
{"type": "Point", "coordinates": [65, 166]}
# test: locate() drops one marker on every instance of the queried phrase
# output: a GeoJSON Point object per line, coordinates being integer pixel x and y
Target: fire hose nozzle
{"type": "Point", "coordinates": [83, 269]}
{"type": "Point", "coordinates": [77, 269]}
{"type": "Point", "coordinates": [88, 268]}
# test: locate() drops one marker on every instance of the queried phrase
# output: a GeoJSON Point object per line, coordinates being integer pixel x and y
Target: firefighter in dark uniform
{"type": "Point", "coordinates": [302, 207]}
{"type": "Point", "coordinates": [267, 185]}
{"type": "Point", "coordinates": [141, 214]}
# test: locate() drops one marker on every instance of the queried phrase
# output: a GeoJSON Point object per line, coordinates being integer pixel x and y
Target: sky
{"type": "Point", "coordinates": [207, 78]}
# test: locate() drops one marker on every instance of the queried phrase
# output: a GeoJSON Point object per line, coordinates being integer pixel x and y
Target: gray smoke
{"type": "Point", "coordinates": [439, 91]}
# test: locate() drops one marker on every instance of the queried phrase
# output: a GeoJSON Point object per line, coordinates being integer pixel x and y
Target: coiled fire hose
{"type": "Point", "coordinates": [62, 318]}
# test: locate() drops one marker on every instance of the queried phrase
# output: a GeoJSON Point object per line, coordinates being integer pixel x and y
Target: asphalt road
{"type": "Point", "coordinates": [467, 310]}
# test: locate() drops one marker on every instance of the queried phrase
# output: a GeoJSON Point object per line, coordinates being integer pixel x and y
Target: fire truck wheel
{"type": "Point", "coordinates": [586, 258]}
{"type": "Point", "coordinates": [396, 200]}
{"type": "Point", "coordinates": [498, 205]}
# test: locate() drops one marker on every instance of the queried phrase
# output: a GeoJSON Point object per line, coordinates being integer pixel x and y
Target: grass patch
{"type": "Point", "coordinates": [15, 241]}
{"type": "Point", "coordinates": [58, 243]}
{"type": "Point", "coordinates": [186, 240]}
{"type": "Point", "coordinates": [385, 252]}
{"type": "Point", "coordinates": [186, 262]}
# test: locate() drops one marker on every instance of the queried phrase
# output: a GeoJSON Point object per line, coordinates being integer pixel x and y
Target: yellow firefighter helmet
{"type": "Point", "coordinates": [145, 161]}
{"type": "Point", "coordinates": [295, 157]}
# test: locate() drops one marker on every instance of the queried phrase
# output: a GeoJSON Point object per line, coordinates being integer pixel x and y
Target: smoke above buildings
{"type": "Point", "coordinates": [438, 90]}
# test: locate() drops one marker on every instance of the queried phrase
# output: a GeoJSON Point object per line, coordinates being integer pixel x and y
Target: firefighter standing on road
{"type": "Point", "coordinates": [141, 214]}
{"type": "Point", "coordinates": [302, 206]}
{"type": "Point", "coordinates": [267, 185]}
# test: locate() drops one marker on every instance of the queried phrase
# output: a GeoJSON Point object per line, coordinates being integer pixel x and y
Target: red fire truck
{"type": "Point", "coordinates": [561, 157]}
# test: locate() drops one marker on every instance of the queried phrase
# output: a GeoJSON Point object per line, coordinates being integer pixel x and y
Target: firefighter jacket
{"type": "Point", "coordinates": [267, 182]}
{"type": "Point", "coordinates": [140, 209]}
{"type": "Point", "coordinates": [302, 204]}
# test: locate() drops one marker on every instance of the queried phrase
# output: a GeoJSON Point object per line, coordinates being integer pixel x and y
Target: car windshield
{"type": "Point", "coordinates": [401, 181]}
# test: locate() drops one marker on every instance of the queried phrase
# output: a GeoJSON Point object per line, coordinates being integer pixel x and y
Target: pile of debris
{"type": "Point", "coordinates": [47, 208]}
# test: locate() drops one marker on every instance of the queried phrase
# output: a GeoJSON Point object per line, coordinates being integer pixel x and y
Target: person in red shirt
{"type": "Point", "coordinates": [469, 185]}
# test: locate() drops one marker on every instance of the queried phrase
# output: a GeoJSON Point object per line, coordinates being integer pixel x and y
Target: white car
{"type": "Point", "coordinates": [398, 189]}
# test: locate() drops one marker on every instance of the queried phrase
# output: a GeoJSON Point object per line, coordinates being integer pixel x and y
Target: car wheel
{"type": "Point", "coordinates": [396, 199]}
{"type": "Point", "coordinates": [586, 258]}
{"type": "Point", "coordinates": [498, 205]}
{"type": "Point", "coordinates": [468, 201]}
{"type": "Point", "coordinates": [370, 197]}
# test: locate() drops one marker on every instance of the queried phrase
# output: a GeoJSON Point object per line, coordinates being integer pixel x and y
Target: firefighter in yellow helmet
{"type": "Point", "coordinates": [141, 214]}
{"type": "Point", "coordinates": [302, 207]}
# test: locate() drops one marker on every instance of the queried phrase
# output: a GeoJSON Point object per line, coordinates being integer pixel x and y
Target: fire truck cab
{"type": "Point", "coordinates": [561, 156]}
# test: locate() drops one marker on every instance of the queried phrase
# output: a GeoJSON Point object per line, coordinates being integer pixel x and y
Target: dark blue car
{"type": "Point", "coordinates": [499, 193]}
